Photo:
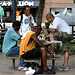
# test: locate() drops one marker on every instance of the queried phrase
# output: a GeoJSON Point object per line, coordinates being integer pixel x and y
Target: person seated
{"type": "Point", "coordinates": [45, 30]}
{"type": "Point", "coordinates": [28, 49]}
{"type": "Point", "coordinates": [10, 43]}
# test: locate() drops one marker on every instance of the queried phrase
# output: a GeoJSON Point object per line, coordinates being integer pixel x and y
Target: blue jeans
{"type": "Point", "coordinates": [15, 51]}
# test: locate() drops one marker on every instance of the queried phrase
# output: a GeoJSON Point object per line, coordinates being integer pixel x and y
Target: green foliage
{"type": "Point", "coordinates": [71, 48]}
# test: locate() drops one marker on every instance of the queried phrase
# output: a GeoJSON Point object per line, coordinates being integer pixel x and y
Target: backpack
{"type": "Point", "coordinates": [21, 18]}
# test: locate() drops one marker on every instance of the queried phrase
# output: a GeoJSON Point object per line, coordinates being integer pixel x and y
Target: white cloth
{"type": "Point", "coordinates": [54, 41]}
{"type": "Point", "coordinates": [25, 26]}
{"type": "Point", "coordinates": [30, 71]}
{"type": "Point", "coordinates": [60, 25]}
{"type": "Point", "coordinates": [24, 35]}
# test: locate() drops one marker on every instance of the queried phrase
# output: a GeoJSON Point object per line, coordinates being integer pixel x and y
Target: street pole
{"type": "Point", "coordinates": [14, 10]}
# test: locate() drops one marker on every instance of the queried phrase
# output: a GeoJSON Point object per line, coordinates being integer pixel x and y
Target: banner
{"type": "Point", "coordinates": [17, 14]}
{"type": "Point", "coordinates": [20, 3]}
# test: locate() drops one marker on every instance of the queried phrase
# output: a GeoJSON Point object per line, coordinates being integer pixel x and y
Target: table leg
{"type": "Point", "coordinates": [53, 64]}
{"type": "Point", "coordinates": [13, 63]}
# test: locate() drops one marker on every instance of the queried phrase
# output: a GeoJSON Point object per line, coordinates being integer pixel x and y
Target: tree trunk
{"type": "Point", "coordinates": [74, 1]}
{"type": "Point", "coordinates": [40, 12]}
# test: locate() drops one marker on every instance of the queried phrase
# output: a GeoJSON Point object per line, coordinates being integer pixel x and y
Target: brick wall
{"type": "Point", "coordinates": [59, 1]}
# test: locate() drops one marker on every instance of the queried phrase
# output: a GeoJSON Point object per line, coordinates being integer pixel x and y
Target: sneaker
{"type": "Point", "coordinates": [25, 69]}
{"type": "Point", "coordinates": [64, 68]}
{"type": "Point", "coordinates": [48, 71]}
{"type": "Point", "coordinates": [49, 67]}
{"type": "Point", "coordinates": [30, 71]}
{"type": "Point", "coordinates": [22, 68]}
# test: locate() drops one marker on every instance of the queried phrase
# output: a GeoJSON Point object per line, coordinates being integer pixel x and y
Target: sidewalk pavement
{"type": "Point", "coordinates": [6, 66]}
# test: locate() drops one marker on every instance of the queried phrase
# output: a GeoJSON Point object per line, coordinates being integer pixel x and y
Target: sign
{"type": "Point", "coordinates": [23, 3]}
{"type": "Point", "coordinates": [19, 3]}
{"type": "Point", "coordinates": [5, 3]}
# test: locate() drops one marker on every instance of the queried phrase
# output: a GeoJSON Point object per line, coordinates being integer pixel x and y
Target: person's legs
{"type": "Point", "coordinates": [15, 51]}
{"type": "Point", "coordinates": [66, 58]}
{"type": "Point", "coordinates": [51, 39]}
{"type": "Point", "coordinates": [1, 18]}
{"type": "Point", "coordinates": [44, 61]}
{"type": "Point", "coordinates": [35, 53]}
{"type": "Point", "coordinates": [66, 40]}
{"type": "Point", "coordinates": [66, 53]}
{"type": "Point", "coordinates": [55, 36]}
{"type": "Point", "coordinates": [44, 57]}
{"type": "Point", "coordinates": [22, 63]}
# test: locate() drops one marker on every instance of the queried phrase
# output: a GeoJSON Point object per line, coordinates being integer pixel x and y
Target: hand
{"type": "Point", "coordinates": [44, 37]}
{"type": "Point", "coordinates": [45, 43]}
{"type": "Point", "coordinates": [29, 16]}
{"type": "Point", "coordinates": [51, 55]}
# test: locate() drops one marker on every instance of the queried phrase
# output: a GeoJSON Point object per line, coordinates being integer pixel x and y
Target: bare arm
{"type": "Point", "coordinates": [31, 24]}
{"type": "Point", "coordinates": [53, 30]}
{"type": "Point", "coordinates": [19, 34]}
{"type": "Point", "coordinates": [46, 36]}
{"type": "Point", "coordinates": [34, 37]}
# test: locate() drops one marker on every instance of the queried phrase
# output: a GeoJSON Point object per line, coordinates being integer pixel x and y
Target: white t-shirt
{"type": "Point", "coordinates": [25, 24]}
{"type": "Point", "coordinates": [60, 25]}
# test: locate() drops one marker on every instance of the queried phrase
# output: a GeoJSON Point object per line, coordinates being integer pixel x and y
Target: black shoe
{"type": "Point", "coordinates": [48, 71]}
{"type": "Point", "coordinates": [38, 70]}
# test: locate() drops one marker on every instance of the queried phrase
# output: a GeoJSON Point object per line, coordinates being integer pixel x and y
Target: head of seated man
{"type": "Point", "coordinates": [37, 29]}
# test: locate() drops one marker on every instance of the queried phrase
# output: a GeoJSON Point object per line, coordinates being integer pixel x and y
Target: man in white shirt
{"type": "Point", "coordinates": [27, 20]}
{"type": "Point", "coordinates": [61, 32]}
